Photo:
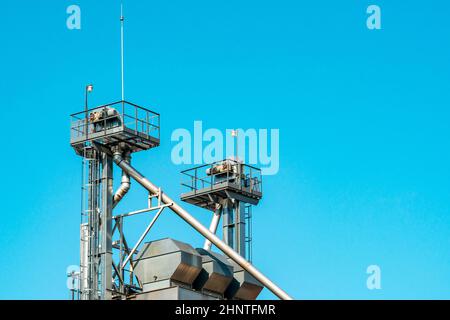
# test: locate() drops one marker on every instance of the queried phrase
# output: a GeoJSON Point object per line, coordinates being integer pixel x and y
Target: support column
{"type": "Point", "coordinates": [106, 227]}
{"type": "Point", "coordinates": [234, 225]}
{"type": "Point", "coordinates": [228, 224]}
{"type": "Point", "coordinates": [213, 227]}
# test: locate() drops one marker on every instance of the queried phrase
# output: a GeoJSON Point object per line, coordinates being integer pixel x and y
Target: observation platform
{"type": "Point", "coordinates": [206, 185]}
{"type": "Point", "coordinates": [111, 124]}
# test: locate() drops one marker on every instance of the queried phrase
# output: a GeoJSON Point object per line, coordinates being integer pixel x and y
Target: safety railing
{"type": "Point", "coordinates": [209, 176]}
{"type": "Point", "coordinates": [121, 115]}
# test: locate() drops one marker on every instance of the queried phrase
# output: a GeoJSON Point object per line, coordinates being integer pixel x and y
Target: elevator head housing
{"type": "Point", "coordinates": [207, 185]}
{"type": "Point", "coordinates": [120, 123]}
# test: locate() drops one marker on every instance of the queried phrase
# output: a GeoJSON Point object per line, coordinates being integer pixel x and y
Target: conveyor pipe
{"type": "Point", "coordinates": [125, 184]}
{"type": "Point", "coordinates": [213, 227]}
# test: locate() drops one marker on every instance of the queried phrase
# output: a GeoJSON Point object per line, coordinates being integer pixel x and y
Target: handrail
{"type": "Point", "coordinates": [248, 172]}
{"type": "Point", "coordinates": [130, 115]}
{"type": "Point", "coordinates": [113, 104]}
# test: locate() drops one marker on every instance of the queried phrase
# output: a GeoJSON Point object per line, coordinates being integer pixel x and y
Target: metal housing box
{"type": "Point", "coordinates": [167, 259]}
{"type": "Point", "coordinates": [243, 286]}
{"type": "Point", "coordinates": [217, 272]}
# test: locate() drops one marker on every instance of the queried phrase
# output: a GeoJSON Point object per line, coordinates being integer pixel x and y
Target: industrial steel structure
{"type": "Point", "coordinates": [111, 268]}
{"type": "Point", "coordinates": [111, 134]}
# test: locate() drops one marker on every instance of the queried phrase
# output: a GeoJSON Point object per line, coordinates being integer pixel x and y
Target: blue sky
{"type": "Point", "coordinates": [363, 116]}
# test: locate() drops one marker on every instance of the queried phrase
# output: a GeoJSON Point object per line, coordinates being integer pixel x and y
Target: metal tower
{"type": "Point", "coordinates": [124, 128]}
{"type": "Point", "coordinates": [228, 188]}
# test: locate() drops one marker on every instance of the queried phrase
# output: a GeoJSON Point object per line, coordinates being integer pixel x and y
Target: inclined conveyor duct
{"type": "Point", "coordinates": [121, 162]}
{"type": "Point", "coordinates": [213, 227]}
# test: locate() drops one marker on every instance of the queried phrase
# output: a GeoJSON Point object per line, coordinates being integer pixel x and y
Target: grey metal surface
{"type": "Point", "coordinates": [216, 274]}
{"type": "Point", "coordinates": [167, 259]}
{"type": "Point", "coordinates": [174, 293]}
{"type": "Point", "coordinates": [202, 229]}
{"type": "Point", "coordinates": [243, 286]}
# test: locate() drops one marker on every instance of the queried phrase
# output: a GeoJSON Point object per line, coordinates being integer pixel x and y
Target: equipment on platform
{"type": "Point", "coordinates": [228, 188]}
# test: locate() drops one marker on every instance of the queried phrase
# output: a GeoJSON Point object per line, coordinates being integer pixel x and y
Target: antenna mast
{"type": "Point", "coordinates": [122, 19]}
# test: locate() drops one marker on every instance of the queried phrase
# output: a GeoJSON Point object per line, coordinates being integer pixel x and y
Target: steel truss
{"type": "Point", "coordinates": [124, 280]}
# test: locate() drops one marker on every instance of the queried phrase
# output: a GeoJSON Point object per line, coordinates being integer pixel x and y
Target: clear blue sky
{"type": "Point", "coordinates": [364, 132]}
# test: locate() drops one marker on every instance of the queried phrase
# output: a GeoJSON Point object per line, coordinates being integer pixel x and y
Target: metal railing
{"type": "Point", "coordinates": [244, 177]}
{"type": "Point", "coordinates": [121, 115]}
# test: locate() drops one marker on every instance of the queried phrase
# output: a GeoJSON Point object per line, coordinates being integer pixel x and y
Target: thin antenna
{"type": "Point", "coordinates": [122, 19]}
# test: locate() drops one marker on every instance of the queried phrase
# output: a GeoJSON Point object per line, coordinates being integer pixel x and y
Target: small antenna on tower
{"type": "Point", "coordinates": [122, 19]}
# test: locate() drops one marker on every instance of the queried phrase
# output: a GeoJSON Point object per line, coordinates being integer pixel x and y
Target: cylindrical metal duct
{"type": "Point", "coordinates": [125, 184]}
{"type": "Point", "coordinates": [201, 229]}
{"type": "Point", "coordinates": [213, 227]}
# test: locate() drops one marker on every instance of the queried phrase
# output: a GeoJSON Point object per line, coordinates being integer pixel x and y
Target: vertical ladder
{"type": "Point", "coordinates": [248, 232]}
{"type": "Point", "coordinates": [89, 230]}
{"type": "Point", "coordinates": [237, 228]}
